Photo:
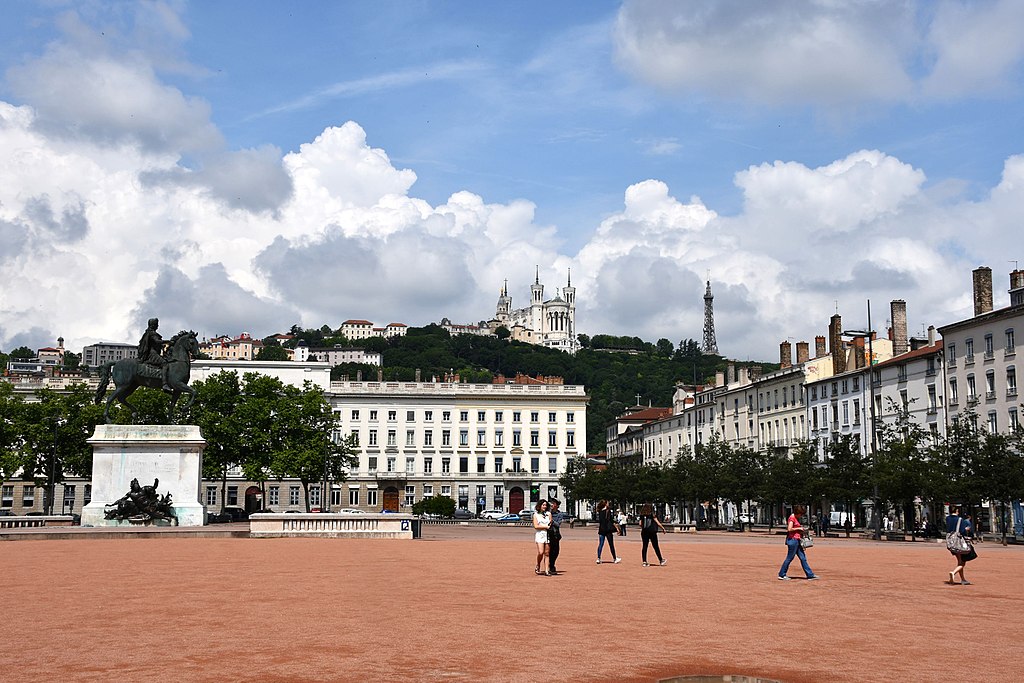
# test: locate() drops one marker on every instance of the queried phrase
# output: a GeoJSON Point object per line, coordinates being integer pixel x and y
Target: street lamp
{"type": "Point", "coordinates": [869, 335]}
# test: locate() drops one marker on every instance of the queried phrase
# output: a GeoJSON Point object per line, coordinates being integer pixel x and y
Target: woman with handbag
{"type": "Point", "coordinates": [962, 526]}
{"type": "Point", "coordinates": [606, 530]}
{"type": "Point", "coordinates": [795, 533]}
{"type": "Point", "coordinates": [649, 525]}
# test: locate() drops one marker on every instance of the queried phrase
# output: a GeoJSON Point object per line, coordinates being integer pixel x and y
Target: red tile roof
{"type": "Point", "coordinates": [645, 415]}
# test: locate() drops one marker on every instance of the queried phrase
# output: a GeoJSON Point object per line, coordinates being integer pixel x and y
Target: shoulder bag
{"type": "Point", "coordinates": [955, 541]}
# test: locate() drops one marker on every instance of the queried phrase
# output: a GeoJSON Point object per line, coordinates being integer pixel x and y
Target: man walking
{"type": "Point", "coordinates": [554, 534]}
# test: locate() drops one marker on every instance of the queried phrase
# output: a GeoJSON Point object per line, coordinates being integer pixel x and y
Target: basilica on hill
{"type": "Point", "coordinates": [550, 323]}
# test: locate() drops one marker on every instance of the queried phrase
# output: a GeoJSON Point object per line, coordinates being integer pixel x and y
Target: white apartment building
{"type": "Point", "coordinates": [364, 329]}
{"type": "Point", "coordinates": [981, 362]}
{"type": "Point", "coordinates": [335, 355]}
{"type": "Point", "coordinates": [841, 404]}
{"type": "Point", "coordinates": [484, 445]}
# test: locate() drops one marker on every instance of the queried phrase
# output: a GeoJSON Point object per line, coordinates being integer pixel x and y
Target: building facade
{"type": "Point", "coordinates": [981, 356]}
{"type": "Point", "coordinates": [95, 355]}
{"type": "Point", "coordinates": [484, 445]}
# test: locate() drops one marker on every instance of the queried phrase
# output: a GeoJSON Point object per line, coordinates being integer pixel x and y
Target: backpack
{"type": "Point", "coordinates": [649, 523]}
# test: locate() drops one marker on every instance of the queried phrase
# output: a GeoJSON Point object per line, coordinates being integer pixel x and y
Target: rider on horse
{"type": "Point", "coordinates": [151, 351]}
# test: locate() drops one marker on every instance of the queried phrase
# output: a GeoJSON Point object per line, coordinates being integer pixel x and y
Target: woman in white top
{"type": "Point", "coordinates": [541, 522]}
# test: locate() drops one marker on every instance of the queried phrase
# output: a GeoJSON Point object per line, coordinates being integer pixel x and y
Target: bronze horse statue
{"type": "Point", "coordinates": [129, 374]}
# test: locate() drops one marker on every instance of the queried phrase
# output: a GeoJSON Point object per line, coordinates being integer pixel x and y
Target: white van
{"type": "Point", "coordinates": [838, 519]}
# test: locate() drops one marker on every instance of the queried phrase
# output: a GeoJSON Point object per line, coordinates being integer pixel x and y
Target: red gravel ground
{"type": "Point", "coordinates": [463, 604]}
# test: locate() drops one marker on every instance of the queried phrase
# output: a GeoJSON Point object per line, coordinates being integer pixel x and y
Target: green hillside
{"type": "Point", "coordinates": [614, 370]}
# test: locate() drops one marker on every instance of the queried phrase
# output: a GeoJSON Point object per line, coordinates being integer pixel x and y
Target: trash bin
{"type": "Point", "coordinates": [417, 528]}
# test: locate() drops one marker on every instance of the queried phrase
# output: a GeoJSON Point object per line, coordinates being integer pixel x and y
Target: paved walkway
{"type": "Point", "coordinates": [463, 604]}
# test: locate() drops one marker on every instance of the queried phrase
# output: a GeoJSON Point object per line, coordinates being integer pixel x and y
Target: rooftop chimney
{"type": "Point", "coordinates": [858, 352]}
{"type": "Point", "coordinates": [931, 335]}
{"type": "Point", "coordinates": [731, 374]}
{"type": "Point", "coordinates": [898, 311]}
{"type": "Point", "coordinates": [819, 346]}
{"type": "Point", "coordinates": [1017, 288]}
{"type": "Point", "coordinates": [835, 343]}
{"type": "Point", "coordinates": [785, 354]}
{"type": "Point", "coordinates": [803, 353]}
{"type": "Point", "coordinates": [982, 290]}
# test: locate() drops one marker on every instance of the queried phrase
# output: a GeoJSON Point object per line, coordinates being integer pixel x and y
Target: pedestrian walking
{"type": "Point", "coordinates": [957, 523]}
{"type": "Point", "coordinates": [794, 534]}
{"type": "Point", "coordinates": [541, 523]}
{"type": "Point", "coordinates": [649, 526]}
{"type": "Point", "coordinates": [554, 535]}
{"type": "Point", "coordinates": [622, 523]}
{"type": "Point", "coordinates": [606, 528]}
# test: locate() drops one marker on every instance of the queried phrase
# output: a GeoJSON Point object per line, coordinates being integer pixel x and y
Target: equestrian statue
{"type": "Point", "coordinates": [159, 365]}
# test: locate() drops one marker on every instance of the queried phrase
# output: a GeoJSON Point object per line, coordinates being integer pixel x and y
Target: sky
{"type": "Point", "coordinates": [241, 167]}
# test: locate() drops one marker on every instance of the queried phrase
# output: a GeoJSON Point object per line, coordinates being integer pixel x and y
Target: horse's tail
{"type": "Point", "coordinates": [101, 390]}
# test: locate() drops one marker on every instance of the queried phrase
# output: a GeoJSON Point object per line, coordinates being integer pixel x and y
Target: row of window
{"type": "Point", "coordinates": [990, 386]}
{"type": "Point", "coordinates": [516, 465]}
{"type": "Point", "coordinates": [769, 400]}
{"type": "Point", "coordinates": [1009, 347]}
{"type": "Point", "coordinates": [369, 497]}
{"type": "Point", "coordinates": [28, 495]}
{"type": "Point", "coordinates": [446, 438]}
{"type": "Point", "coordinates": [446, 416]}
{"type": "Point", "coordinates": [836, 386]}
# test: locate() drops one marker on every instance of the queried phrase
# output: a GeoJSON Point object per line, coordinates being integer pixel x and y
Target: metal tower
{"type": "Point", "coordinates": [710, 345]}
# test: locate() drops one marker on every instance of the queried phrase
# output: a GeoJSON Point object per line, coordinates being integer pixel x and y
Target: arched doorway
{"type": "Point", "coordinates": [253, 499]}
{"type": "Point", "coordinates": [391, 499]}
{"type": "Point", "coordinates": [516, 500]}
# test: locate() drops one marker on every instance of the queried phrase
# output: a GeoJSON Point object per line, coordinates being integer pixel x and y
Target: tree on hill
{"type": "Point", "coordinates": [22, 353]}
{"type": "Point", "coordinates": [276, 352]}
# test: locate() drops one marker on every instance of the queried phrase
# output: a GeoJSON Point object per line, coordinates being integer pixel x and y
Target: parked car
{"type": "Point", "coordinates": [349, 511]}
{"type": "Point", "coordinates": [526, 514]}
{"type": "Point", "coordinates": [237, 514]}
{"type": "Point", "coordinates": [492, 514]}
{"type": "Point", "coordinates": [463, 513]}
{"type": "Point", "coordinates": [509, 518]}
{"type": "Point", "coordinates": [6, 512]}
{"type": "Point", "coordinates": [218, 517]}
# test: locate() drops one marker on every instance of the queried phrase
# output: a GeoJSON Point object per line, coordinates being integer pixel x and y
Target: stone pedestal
{"type": "Point", "coordinates": [171, 453]}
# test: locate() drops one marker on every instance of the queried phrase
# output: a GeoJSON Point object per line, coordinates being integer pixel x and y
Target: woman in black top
{"type": "Point", "coordinates": [606, 529]}
{"type": "Point", "coordinates": [649, 525]}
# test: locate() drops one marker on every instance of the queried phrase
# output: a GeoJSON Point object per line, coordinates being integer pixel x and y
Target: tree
{"type": "Point", "coordinates": [308, 448]}
{"type": "Point", "coordinates": [11, 425]}
{"type": "Point", "coordinates": [438, 506]}
{"type": "Point", "coordinates": [214, 410]}
{"type": "Point", "coordinates": [276, 352]}
{"type": "Point", "coordinates": [900, 467]}
{"type": "Point", "coordinates": [22, 353]}
{"type": "Point", "coordinates": [502, 333]}
{"type": "Point", "coordinates": [742, 475]}
{"type": "Point", "coordinates": [1001, 470]}
{"type": "Point", "coordinates": [664, 347]}
{"type": "Point", "coordinates": [54, 431]}
{"type": "Point", "coordinates": [846, 475]}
